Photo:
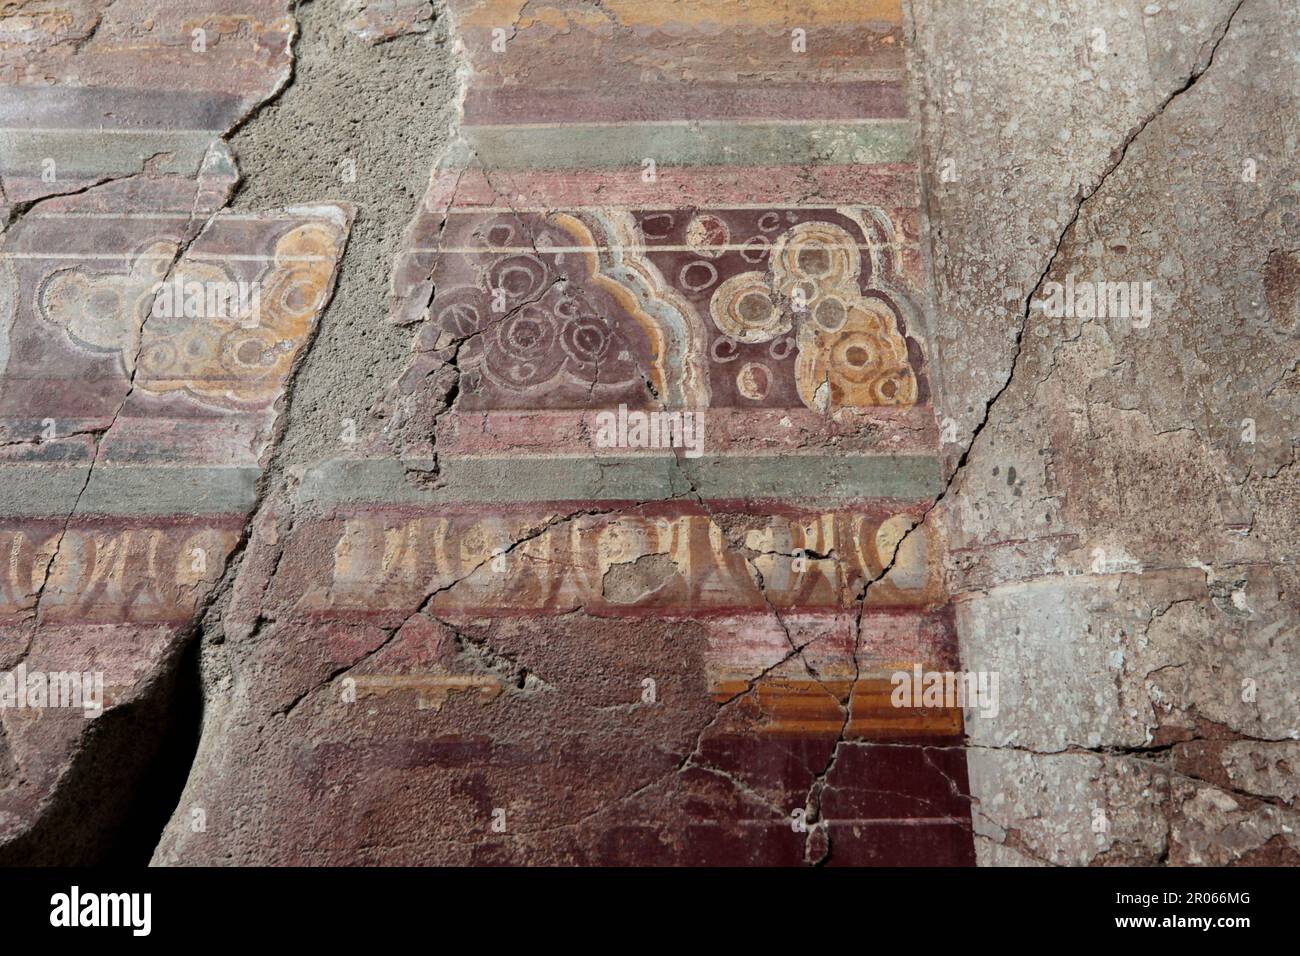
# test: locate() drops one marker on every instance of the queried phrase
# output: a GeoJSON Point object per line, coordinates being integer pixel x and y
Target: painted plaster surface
{"type": "Point", "coordinates": [478, 552]}
{"type": "Point", "coordinates": [554, 432]}
{"type": "Point", "coordinates": [134, 435]}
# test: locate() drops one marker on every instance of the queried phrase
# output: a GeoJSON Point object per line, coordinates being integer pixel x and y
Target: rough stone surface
{"type": "Point", "coordinates": [1121, 530]}
{"type": "Point", "coordinates": [436, 618]}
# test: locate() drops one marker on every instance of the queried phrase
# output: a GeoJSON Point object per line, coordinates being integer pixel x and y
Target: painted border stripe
{"type": "Point", "coordinates": [595, 146]}
{"type": "Point", "coordinates": [503, 480]}
{"type": "Point", "coordinates": [33, 490]}
{"type": "Point", "coordinates": [79, 153]}
{"type": "Point", "coordinates": [878, 99]}
{"type": "Point", "coordinates": [123, 109]}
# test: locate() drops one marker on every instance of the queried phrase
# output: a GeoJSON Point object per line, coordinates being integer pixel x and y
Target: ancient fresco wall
{"type": "Point", "coordinates": [558, 645]}
{"type": "Point", "coordinates": [136, 424]}
{"type": "Point", "coordinates": [564, 432]}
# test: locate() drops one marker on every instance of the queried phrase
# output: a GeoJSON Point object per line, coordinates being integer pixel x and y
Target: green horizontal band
{"type": "Point", "coordinates": [726, 144]}
{"type": "Point", "coordinates": [828, 478]}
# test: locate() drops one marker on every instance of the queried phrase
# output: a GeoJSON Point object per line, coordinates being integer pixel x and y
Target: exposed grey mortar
{"type": "Point", "coordinates": [394, 138]}
{"type": "Point", "coordinates": [387, 108]}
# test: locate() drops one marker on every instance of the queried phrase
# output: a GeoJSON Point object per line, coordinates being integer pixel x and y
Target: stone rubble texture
{"type": "Point", "coordinates": [365, 590]}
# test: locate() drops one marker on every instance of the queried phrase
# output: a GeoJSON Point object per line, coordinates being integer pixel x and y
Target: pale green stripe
{"type": "Point", "coordinates": [88, 154]}
{"type": "Point", "coordinates": [812, 479]}
{"type": "Point", "coordinates": [592, 147]}
{"type": "Point", "coordinates": [38, 491]}
{"type": "Point", "coordinates": [41, 490]}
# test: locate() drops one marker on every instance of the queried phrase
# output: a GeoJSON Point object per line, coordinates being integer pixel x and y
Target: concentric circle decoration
{"type": "Point", "coordinates": [724, 349]}
{"type": "Point", "coordinates": [159, 355]}
{"type": "Point", "coordinates": [657, 225]}
{"type": "Point", "coordinates": [566, 307]}
{"type": "Point", "coordinates": [830, 313]}
{"type": "Point", "coordinates": [755, 249]}
{"type": "Point", "coordinates": [753, 381]}
{"type": "Point", "coordinates": [780, 348]}
{"type": "Point", "coordinates": [521, 350]}
{"type": "Point", "coordinates": [499, 232]}
{"type": "Point", "coordinates": [294, 295]}
{"type": "Point", "coordinates": [250, 350]}
{"type": "Point", "coordinates": [519, 278]}
{"type": "Point", "coordinates": [817, 252]}
{"type": "Point", "coordinates": [585, 340]}
{"type": "Point", "coordinates": [707, 235]}
{"type": "Point", "coordinates": [698, 275]}
{"type": "Point", "coordinates": [865, 362]}
{"type": "Point", "coordinates": [744, 308]}
{"type": "Point", "coordinates": [459, 311]}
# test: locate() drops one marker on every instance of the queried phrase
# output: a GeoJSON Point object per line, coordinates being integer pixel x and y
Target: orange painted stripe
{"type": "Point", "coordinates": [807, 707]}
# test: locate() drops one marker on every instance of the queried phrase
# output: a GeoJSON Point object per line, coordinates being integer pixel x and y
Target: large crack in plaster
{"type": "Point", "coordinates": [1117, 157]}
{"type": "Point", "coordinates": [821, 779]}
{"type": "Point", "coordinates": [191, 631]}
